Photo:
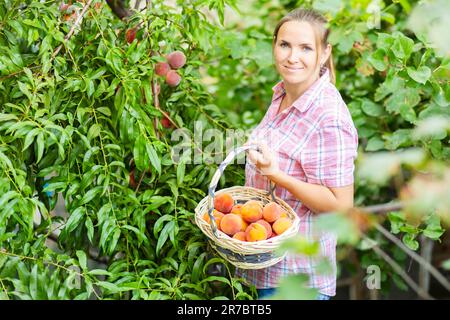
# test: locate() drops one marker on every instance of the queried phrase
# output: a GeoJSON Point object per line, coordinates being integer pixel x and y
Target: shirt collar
{"type": "Point", "coordinates": [305, 100]}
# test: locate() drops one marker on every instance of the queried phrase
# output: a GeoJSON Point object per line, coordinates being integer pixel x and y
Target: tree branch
{"type": "Point", "coordinates": [119, 9]}
{"type": "Point", "coordinates": [397, 268]}
{"type": "Point", "coordinates": [439, 277]}
{"type": "Point", "coordinates": [385, 207]}
{"type": "Point", "coordinates": [72, 30]}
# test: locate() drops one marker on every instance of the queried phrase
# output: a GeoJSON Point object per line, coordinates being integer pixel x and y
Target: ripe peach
{"type": "Point", "coordinates": [130, 35]}
{"type": "Point", "coordinates": [266, 225]}
{"type": "Point", "coordinates": [165, 122]}
{"type": "Point", "coordinates": [252, 211]}
{"type": "Point", "coordinates": [217, 215]}
{"type": "Point", "coordinates": [63, 6]}
{"type": "Point", "coordinates": [272, 212]}
{"type": "Point", "coordinates": [237, 209]}
{"type": "Point", "coordinates": [244, 224]}
{"type": "Point", "coordinates": [162, 68]}
{"type": "Point", "coordinates": [223, 202]}
{"type": "Point", "coordinates": [176, 59]}
{"type": "Point", "coordinates": [132, 179]}
{"type": "Point", "coordinates": [231, 224]}
{"type": "Point", "coordinates": [255, 232]}
{"type": "Point", "coordinates": [70, 16]}
{"type": "Point", "coordinates": [284, 214]}
{"type": "Point", "coordinates": [281, 225]}
{"type": "Point", "coordinates": [173, 78]}
{"type": "Point", "coordinates": [98, 6]}
{"type": "Point", "coordinates": [240, 236]}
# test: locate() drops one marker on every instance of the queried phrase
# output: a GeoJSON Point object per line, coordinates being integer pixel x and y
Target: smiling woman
{"type": "Point", "coordinates": [300, 54]}
{"type": "Point", "coordinates": [308, 145]}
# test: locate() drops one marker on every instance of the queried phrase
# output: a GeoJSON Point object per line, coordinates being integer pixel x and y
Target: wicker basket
{"type": "Point", "coordinates": [245, 255]}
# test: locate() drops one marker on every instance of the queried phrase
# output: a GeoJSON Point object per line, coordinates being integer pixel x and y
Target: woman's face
{"type": "Point", "coordinates": [295, 52]}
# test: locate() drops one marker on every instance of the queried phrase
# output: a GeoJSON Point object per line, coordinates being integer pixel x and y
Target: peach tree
{"type": "Point", "coordinates": [90, 93]}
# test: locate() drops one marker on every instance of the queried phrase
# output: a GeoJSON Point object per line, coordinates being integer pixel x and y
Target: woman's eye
{"type": "Point", "coordinates": [283, 44]}
{"type": "Point", "coordinates": [306, 49]}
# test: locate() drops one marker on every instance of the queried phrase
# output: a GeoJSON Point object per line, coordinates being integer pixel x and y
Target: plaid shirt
{"type": "Point", "coordinates": [315, 141]}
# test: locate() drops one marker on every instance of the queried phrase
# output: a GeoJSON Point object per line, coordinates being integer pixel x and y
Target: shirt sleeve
{"type": "Point", "coordinates": [329, 155]}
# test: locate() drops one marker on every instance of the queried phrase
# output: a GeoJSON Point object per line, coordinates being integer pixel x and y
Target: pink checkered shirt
{"type": "Point", "coordinates": [316, 142]}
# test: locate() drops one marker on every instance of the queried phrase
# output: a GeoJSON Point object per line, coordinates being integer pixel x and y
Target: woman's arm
{"type": "Point", "coordinates": [316, 197]}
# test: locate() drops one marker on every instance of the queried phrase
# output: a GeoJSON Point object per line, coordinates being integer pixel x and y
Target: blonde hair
{"type": "Point", "coordinates": [319, 24]}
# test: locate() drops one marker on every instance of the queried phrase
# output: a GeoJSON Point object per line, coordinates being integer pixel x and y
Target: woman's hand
{"type": "Point", "coordinates": [265, 160]}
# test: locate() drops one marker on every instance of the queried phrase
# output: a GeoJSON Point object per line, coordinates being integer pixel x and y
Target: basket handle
{"type": "Point", "coordinates": [215, 180]}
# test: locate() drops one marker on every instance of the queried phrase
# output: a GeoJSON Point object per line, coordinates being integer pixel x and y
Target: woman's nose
{"type": "Point", "coordinates": [294, 56]}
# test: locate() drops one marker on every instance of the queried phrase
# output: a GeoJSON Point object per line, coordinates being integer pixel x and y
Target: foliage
{"type": "Point", "coordinates": [79, 124]}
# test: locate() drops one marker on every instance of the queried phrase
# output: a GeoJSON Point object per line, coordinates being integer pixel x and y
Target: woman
{"type": "Point", "coordinates": [308, 145]}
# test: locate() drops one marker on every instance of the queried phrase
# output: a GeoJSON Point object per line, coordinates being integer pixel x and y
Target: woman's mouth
{"type": "Point", "coordinates": [293, 69]}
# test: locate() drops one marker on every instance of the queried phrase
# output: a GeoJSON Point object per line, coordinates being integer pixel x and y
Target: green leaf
{"type": "Point", "coordinates": [141, 236]}
{"type": "Point", "coordinates": [384, 41]}
{"type": "Point", "coordinates": [400, 138]}
{"type": "Point", "coordinates": [295, 287]}
{"type": "Point", "coordinates": [180, 173]}
{"type": "Point", "coordinates": [99, 272]}
{"type": "Point", "coordinates": [402, 47]}
{"type": "Point", "coordinates": [433, 127]}
{"type": "Point", "coordinates": [159, 223]}
{"type": "Point", "coordinates": [154, 159]}
{"type": "Point", "coordinates": [300, 245]}
{"type": "Point", "coordinates": [371, 108]}
{"type": "Point", "coordinates": [82, 259]}
{"type": "Point", "coordinates": [375, 144]}
{"type": "Point", "coordinates": [139, 153]}
{"type": "Point", "coordinates": [402, 100]}
{"type": "Point", "coordinates": [410, 242]}
{"type": "Point", "coordinates": [367, 244]}
{"type": "Point", "coordinates": [216, 278]}
{"type": "Point", "coordinates": [164, 235]}
{"type": "Point", "coordinates": [94, 131]}
{"type": "Point", "coordinates": [55, 186]}
{"type": "Point", "coordinates": [40, 146]}
{"type": "Point", "coordinates": [328, 6]}
{"type": "Point", "coordinates": [421, 75]}
{"type": "Point", "coordinates": [97, 73]}
{"type": "Point", "coordinates": [393, 83]}
{"type": "Point", "coordinates": [376, 59]}
{"type": "Point", "coordinates": [114, 240]}
{"type": "Point", "coordinates": [408, 113]}
{"type": "Point", "coordinates": [111, 287]}
{"type": "Point", "coordinates": [261, 53]}
{"type": "Point", "coordinates": [104, 110]}
{"type": "Point", "coordinates": [157, 201]}
{"type": "Point", "coordinates": [90, 229]}
{"type": "Point", "coordinates": [198, 267]}
{"type": "Point", "coordinates": [90, 195]}
{"type": "Point", "coordinates": [433, 230]}
{"type": "Point", "coordinates": [74, 219]}
{"type": "Point", "coordinates": [30, 138]}
{"type": "Point", "coordinates": [446, 264]}
{"type": "Point", "coordinates": [397, 220]}
{"type": "Point", "coordinates": [107, 228]}
{"type": "Point", "coordinates": [7, 117]}
{"type": "Point", "coordinates": [340, 225]}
